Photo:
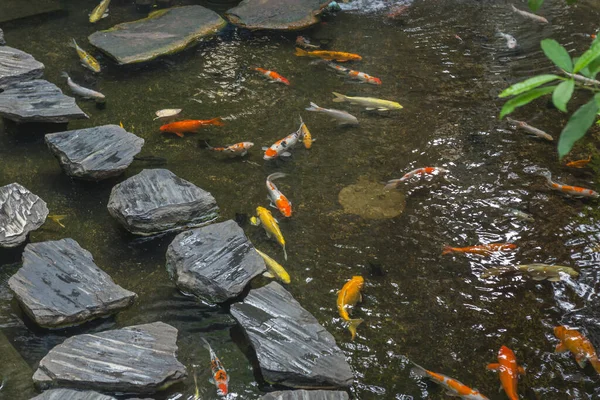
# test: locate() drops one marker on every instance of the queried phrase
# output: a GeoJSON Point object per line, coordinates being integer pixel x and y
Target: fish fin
{"type": "Point", "coordinates": [447, 250]}
{"type": "Point", "coordinates": [217, 121]}
{"type": "Point", "coordinates": [500, 388]}
{"type": "Point", "coordinates": [352, 325]}
{"type": "Point", "coordinates": [254, 221]}
{"type": "Point", "coordinates": [105, 14]}
{"type": "Point", "coordinates": [370, 108]}
{"type": "Point", "coordinates": [596, 364]}
{"type": "Point", "coordinates": [179, 134]}
{"type": "Point", "coordinates": [284, 253]}
{"type": "Point", "coordinates": [73, 44]}
{"type": "Point", "coordinates": [392, 184]}
{"type": "Point", "coordinates": [581, 361]}
{"type": "Point", "coordinates": [267, 274]}
{"type": "Point", "coordinates": [538, 277]}
{"type": "Point", "coordinates": [339, 98]}
{"type": "Point", "coordinates": [493, 367]}
{"type": "Point", "coordinates": [286, 154]}
{"type": "Point", "coordinates": [313, 107]}
{"type": "Point", "coordinates": [360, 298]}
{"type": "Point", "coordinates": [554, 279]}
{"type": "Point", "coordinates": [211, 380]}
{"type": "Point", "coordinates": [561, 348]}
{"type": "Point", "coordinates": [276, 175]}
{"type": "Point", "coordinates": [265, 148]}
{"type": "Point", "coordinates": [520, 370]}
{"type": "Point", "coordinates": [383, 109]}
{"type": "Point", "coordinates": [301, 53]}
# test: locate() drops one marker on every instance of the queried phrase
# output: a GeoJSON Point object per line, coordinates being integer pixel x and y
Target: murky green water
{"type": "Point", "coordinates": [418, 305]}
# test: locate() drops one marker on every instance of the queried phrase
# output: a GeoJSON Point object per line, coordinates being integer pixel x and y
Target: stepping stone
{"type": "Point", "coordinates": [70, 394]}
{"type": "Point", "coordinates": [38, 101]}
{"type": "Point", "coordinates": [136, 359]}
{"type": "Point", "coordinates": [163, 32]}
{"type": "Point", "coordinates": [306, 395]}
{"type": "Point", "coordinates": [20, 213]}
{"type": "Point", "coordinates": [157, 200]}
{"type": "Point", "coordinates": [16, 66]}
{"type": "Point", "coordinates": [59, 285]}
{"type": "Point", "coordinates": [292, 348]}
{"type": "Point", "coordinates": [289, 15]}
{"type": "Point", "coordinates": [95, 153]}
{"type": "Point", "coordinates": [214, 263]}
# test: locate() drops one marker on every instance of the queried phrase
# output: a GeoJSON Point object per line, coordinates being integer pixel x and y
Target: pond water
{"type": "Point", "coordinates": [418, 305]}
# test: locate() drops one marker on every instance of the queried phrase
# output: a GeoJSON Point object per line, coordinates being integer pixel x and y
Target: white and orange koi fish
{"type": "Point", "coordinates": [273, 76]}
{"type": "Point", "coordinates": [452, 386]}
{"type": "Point", "coordinates": [238, 149]}
{"type": "Point", "coordinates": [277, 198]}
{"type": "Point", "coordinates": [567, 189]}
{"type": "Point", "coordinates": [220, 377]}
{"type": "Point", "coordinates": [350, 73]}
{"type": "Point", "coordinates": [281, 147]}
{"type": "Point", "coordinates": [393, 184]}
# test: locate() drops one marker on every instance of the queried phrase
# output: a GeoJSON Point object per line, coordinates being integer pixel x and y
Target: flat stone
{"type": "Point", "coordinates": [20, 213]}
{"type": "Point", "coordinates": [95, 153]}
{"type": "Point", "coordinates": [292, 348]}
{"type": "Point", "coordinates": [306, 395]}
{"type": "Point", "coordinates": [2, 41]}
{"type": "Point", "coordinates": [370, 200]}
{"type": "Point", "coordinates": [136, 359]}
{"type": "Point", "coordinates": [38, 101]}
{"type": "Point", "coordinates": [60, 285]}
{"type": "Point", "coordinates": [286, 15]}
{"type": "Point", "coordinates": [11, 10]}
{"type": "Point", "coordinates": [215, 262]}
{"type": "Point", "coordinates": [163, 32]}
{"type": "Point", "coordinates": [70, 394]}
{"type": "Point", "coordinates": [157, 200]}
{"type": "Point", "coordinates": [16, 66]}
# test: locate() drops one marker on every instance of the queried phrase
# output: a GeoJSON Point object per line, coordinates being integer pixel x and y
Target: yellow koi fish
{"type": "Point", "coordinates": [306, 136]}
{"type": "Point", "coordinates": [57, 219]}
{"type": "Point", "coordinates": [86, 60]}
{"type": "Point", "coordinates": [101, 11]}
{"type": "Point", "coordinates": [275, 270]}
{"type": "Point", "coordinates": [370, 103]}
{"type": "Point", "coordinates": [348, 297]}
{"type": "Point", "coordinates": [270, 225]}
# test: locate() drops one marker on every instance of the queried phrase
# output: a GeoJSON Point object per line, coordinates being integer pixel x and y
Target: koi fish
{"type": "Point", "coordinates": [86, 60]}
{"type": "Point", "coordinates": [220, 378]}
{"type": "Point", "coordinates": [452, 386]}
{"type": "Point", "coordinates": [573, 341]}
{"type": "Point", "coordinates": [275, 270]}
{"type": "Point", "coordinates": [270, 225]}
{"type": "Point", "coordinates": [567, 189]}
{"type": "Point", "coordinates": [273, 76]}
{"type": "Point", "coordinates": [394, 183]}
{"type": "Point", "coordinates": [397, 11]}
{"type": "Point", "coordinates": [508, 370]}
{"type": "Point", "coordinates": [538, 272]}
{"type": "Point", "coordinates": [328, 55]}
{"type": "Point", "coordinates": [520, 215]}
{"type": "Point", "coordinates": [57, 219]}
{"type": "Point", "coordinates": [530, 129]}
{"type": "Point", "coordinates": [369, 103]}
{"type": "Point", "coordinates": [277, 198]}
{"type": "Point", "coordinates": [190, 125]}
{"type": "Point", "coordinates": [281, 147]}
{"type": "Point", "coordinates": [511, 42]}
{"type": "Point", "coordinates": [83, 92]}
{"type": "Point", "coordinates": [348, 296]}
{"type": "Point", "coordinates": [529, 15]}
{"type": "Point", "coordinates": [307, 139]}
{"type": "Point", "coordinates": [101, 11]}
{"type": "Point", "coordinates": [342, 117]}
{"type": "Point", "coordinates": [167, 113]}
{"type": "Point", "coordinates": [579, 163]}
{"type": "Point", "coordinates": [350, 73]}
{"type": "Point", "coordinates": [482, 249]}
{"type": "Point", "coordinates": [304, 42]}
{"type": "Point", "coordinates": [238, 149]}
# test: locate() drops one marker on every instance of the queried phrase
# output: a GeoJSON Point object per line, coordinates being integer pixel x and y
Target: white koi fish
{"type": "Point", "coordinates": [342, 117]}
{"type": "Point", "coordinates": [511, 42]}
{"type": "Point", "coordinates": [529, 15]}
{"type": "Point", "coordinates": [83, 92]}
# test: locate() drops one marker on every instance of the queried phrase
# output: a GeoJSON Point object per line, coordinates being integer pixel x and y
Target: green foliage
{"type": "Point", "coordinates": [557, 54]}
{"type": "Point", "coordinates": [578, 124]}
{"type": "Point", "coordinates": [586, 58]}
{"type": "Point", "coordinates": [524, 98]}
{"type": "Point", "coordinates": [562, 94]}
{"type": "Point", "coordinates": [534, 5]}
{"type": "Point", "coordinates": [528, 84]}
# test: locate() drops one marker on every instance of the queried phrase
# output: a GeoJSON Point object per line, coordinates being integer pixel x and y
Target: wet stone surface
{"type": "Point", "coordinates": [2, 41]}
{"type": "Point", "coordinates": [156, 200]}
{"type": "Point", "coordinates": [70, 394]}
{"type": "Point", "coordinates": [145, 356]}
{"type": "Point", "coordinates": [20, 213]}
{"type": "Point", "coordinates": [162, 32]}
{"type": "Point", "coordinates": [16, 66]}
{"type": "Point", "coordinates": [95, 153]}
{"type": "Point", "coordinates": [369, 200]}
{"type": "Point", "coordinates": [306, 395]}
{"type": "Point", "coordinates": [292, 348]}
{"type": "Point", "coordinates": [276, 14]}
{"type": "Point", "coordinates": [215, 262]}
{"type": "Point", "coordinates": [38, 101]}
{"type": "Point", "coordinates": [60, 285]}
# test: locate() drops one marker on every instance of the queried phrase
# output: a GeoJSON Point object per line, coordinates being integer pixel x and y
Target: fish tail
{"type": "Point", "coordinates": [547, 175]}
{"type": "Point", "coordinates": [513, 7]}
{"type": "Point", "coordinates": [393, 184]}
{"type": "Point", "coordinates": [447, 250]}
{"type": "Point", "coordinates": [217, 121]}
{"type": "Point", "coordinates": [313, 107]}
{"type": "Point", "coordinates": [276, 175]}
{"type": "Point", "coordinates": [208, 145]}
{"type": "Point", "coordinates": [206, 344]}
{"type": "Point", "coordinates": [352, 325]}
{"type": "Point", "coordinates": [596, 364]}
{"type": "Point", "coordinates": [73, 44]}
{"type": "Point", "coordinates": [339, 98]}
{"type": "Point", "coordinates": [301, 53]}
{"type": "Point", "coordinates": [64, 75]}
{"type": "Point", "coordinates": [419, 371]}
{"type": "Point", "coordinates": [284, 253]}
{"type": "Point", "coordinates": [318, 62]}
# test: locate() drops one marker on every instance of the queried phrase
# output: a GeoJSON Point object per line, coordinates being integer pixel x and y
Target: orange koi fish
{"type": "Point", "coordinates": [508, 370]}
{"type": "Point", "coordinates": [277, 198]}
{"type": "Point", "coordinates": [394, 183]}
{"type": "Point", "coordinates": [306, 136]}
{"type": "Point", "coordinates": [567, 189]}
{"type": "Point", "coordinates": [398, 11]}
{"type": "Point", "coordinates": [452, 386]}
{"type": "Point", "coordinates": [238, 149]}
{"type": "Point", "coordinates": [273, 76]}
{"type": "Point", "coordinates": [579, 163]}
{"type": "Point", "coordinates": [350, 73]}
{"type": "Point", "coordinates": [190, 125]}
{"type": "Point", "coordinates": [482, 249]}
{"type": "Point", "coordinates": [220, 377]}
{"type": "Point", "coordinates": [328, 55]}
{"type": "Point", "coordinates": [573, 341]}
{"type": "Point", "coordinates": [348, 297]}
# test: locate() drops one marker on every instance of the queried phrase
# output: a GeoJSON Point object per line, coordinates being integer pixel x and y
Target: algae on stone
{"type": "Point", "coordinates": [371, 201]}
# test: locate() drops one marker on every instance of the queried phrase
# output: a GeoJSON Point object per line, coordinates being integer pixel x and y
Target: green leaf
{"type": "Point", "coordinates": [528, 84]}
{"type": "Point", "coordinates": [587, 57]}
{"type": "Point", "coordinates": [557, 54]}
{"type": "Point", "coordinates": [594, 67]}
{"type": "Point", "coordinates": [524, 98]}
{"type": "Point", "coordinates": [534, 5]}
{"type": "Point", "coordinates": [562, 94]}
{"type": "Point", "coordinates": [578, 124]}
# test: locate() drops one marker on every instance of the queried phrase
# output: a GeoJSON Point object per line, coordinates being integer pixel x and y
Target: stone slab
{"type": "Point", "coordinates": [17, 66]}
{"type": "Point", "coordinates": [306, 395]}
{"type": "Point", "coordinates": [20, 213]}
{"type": "Point", "coordinates": [288, 15]}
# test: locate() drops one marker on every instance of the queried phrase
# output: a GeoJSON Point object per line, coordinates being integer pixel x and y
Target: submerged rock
{"type": "Point", "coordinates": [276, 14]}
{"type": "Point", "coordinates": [157, 200]}
{"type": "Point", "coordinates": [292, 348]}
{"type": "Point", "coordinates": [70, 394]}
{"type": "Point", "coordinates": [38, 101]}
{"type": "Point", "coordinates": [136, 359]}
{"type": "Point", "coordinates": [306, 395]}
{"type": "Point", "coordinates": [20, 213]}
{"type": "Point", "coordinates": [371, 201]}
{"type": "Point", "coordinates": [215, 262]}
{"type": "Point", "coordinates": [16, 66]}
{"type": "Point", "coordinates": [162, 32]}
{"type": "Point", "coordinates": [95, 153]}
{"type": "Point", "coordinates": [60, 285]}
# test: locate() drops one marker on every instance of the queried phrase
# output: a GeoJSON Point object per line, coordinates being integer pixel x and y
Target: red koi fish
{"type": "Point", "coordinates": [394, 183]}
{"type": "Point", "coordinates": [579, 163]}
{"type": "Point", "coordinates": [238, 149]}
{"type": "Point", "coordinates": [508, 371]}
{"type": "Point", "coordinates": [482, 249]}
{"type": "Point", "coordinates": [273, 76]}
{"type": "Point", "coordinates": [573, 341]}
{"type": "Point", "coordinates": [452, 386]}
{"type": "Point", "coordinates": [190, 125]}
{"type": "Point", "coordinates": [567, 189]}
{"type": "Point", "coordinates": [277, 198]}
{"type": "Point", "coordinates": [220, 377]}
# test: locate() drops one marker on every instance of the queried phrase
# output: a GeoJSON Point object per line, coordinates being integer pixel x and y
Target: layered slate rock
{"type": "Point", "coordinates": [70, 394]}
{"type": "Point", "coordinates": [276, 14]}
{"type": "Point", "coordinates": [95, 153]}
{"type": "Point", "coordinates": [214, 263]}
{"type": "Point", "coordinates": [157, 200]}
{"type": "Point", "coordinates": [163, 32]}
{"type": "Point", "coordinates": [2, 41]}
{"type": "Point", "coordinates": [136, 359]}
{"type": "Point", "coordinates": [20, 213]}
{"type": "Point", "coordinates": [38, 101]}
{"type": "Point", "coordinates": [306, 395]}
{"type": "Point", "coordinates": [16, 66]}
{"type": "Point", "coordinates": [60, 285]}
{"type": "Point", "coordinates": [291, 347]}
